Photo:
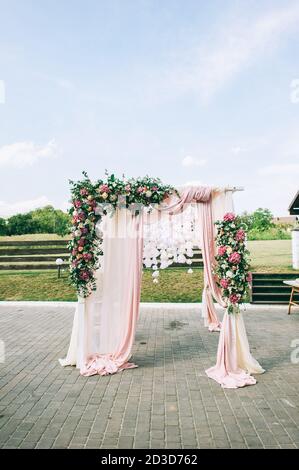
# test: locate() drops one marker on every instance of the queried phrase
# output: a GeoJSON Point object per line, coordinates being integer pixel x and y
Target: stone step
{"type": "Point", "coordinates": [34, 243]}
{"type": "Point", "coordinates": [32, 251]}
{"type": "Point", "coordinates": [27, 267]}
{"type": "Point", "coordinates": [22, 259]}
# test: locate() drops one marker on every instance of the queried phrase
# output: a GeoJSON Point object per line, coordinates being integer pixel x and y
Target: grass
{"type": "Point", "coordinates": [33, 237]}
{"type": "Point", "coordinates": [175, 284]}
{"type": "Point", "coordinates": [274, 233]}
{"type": "Point", "coordinates": [271, 255]}
{"type": "Point", "coordinates": [35, 285]}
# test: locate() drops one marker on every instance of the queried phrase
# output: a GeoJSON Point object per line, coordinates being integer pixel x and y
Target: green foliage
{"type": "Point", "coordinates": [260, 226]}
{"type": "Point", "coordinates": [274, 233]}
{"type": "Point", "coordinates": [21, 223]}
{"type": "Point", "coordinates": [50, 220]}
{"type": "Point", "coordinates": [3, 227]}
{"type": "Point", "coordinates": [246, 219]}
{"type": "Point", "coordinates": [262, 219]}
{"type": "Point", "coordinates": [43, 220]}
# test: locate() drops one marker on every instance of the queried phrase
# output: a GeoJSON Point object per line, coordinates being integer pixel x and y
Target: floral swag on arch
{"type": "Point", "coordinates": [119, 225]}
{"type": "Point", "coordinates": [90, 201]}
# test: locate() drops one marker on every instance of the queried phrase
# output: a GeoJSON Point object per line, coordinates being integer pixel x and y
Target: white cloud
{"type": "Point", "coordinates": [189, 161]}
{"type": "Point", "coordinates": [64, 83]}
{"type": "Point", "coordinates": [280, 169]}
{"type": "Point", "coordinates": [21, 154]}
{"type": "Point", "coordinates": [60, 82]}
{"type": "Point", "coordinates": [65, 206]}
{"type": "Point", "coordinates": [210, 66]}
{"type": "Point", "coordinates": [7, 209]}
{"type": "Point", "coordinates": [20, 207]}
{"type": "Point", "coordinates": [237, 150]}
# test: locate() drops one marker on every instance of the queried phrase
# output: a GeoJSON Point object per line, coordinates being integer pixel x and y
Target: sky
{"type": "Point", "coordinates": [186, 90]}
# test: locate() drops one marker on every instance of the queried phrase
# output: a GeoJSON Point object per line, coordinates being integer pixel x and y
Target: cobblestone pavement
{"type": "Point", "coordinates": [168, 402]}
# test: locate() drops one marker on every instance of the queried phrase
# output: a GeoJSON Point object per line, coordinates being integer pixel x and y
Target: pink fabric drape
{"type": "Point", "coordinates": [234, 360]}
{"type": "Point", "coordinates": [129, 251]}
{"type": "Point", "coordinates": [189, 195]}
{"type": "Point", "coordinates": [202, 196]}
{"type": "Point", "coordinates": [211, 288]}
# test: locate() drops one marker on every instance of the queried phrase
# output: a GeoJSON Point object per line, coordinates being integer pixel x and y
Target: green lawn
{"type": "Point", "coordinates": [271, 255]}
{"type": "Point", "coordinates": [175, 285]}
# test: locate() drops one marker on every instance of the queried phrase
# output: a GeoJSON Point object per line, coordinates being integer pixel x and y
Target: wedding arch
{"type": "Point", "coordinates": [119, 225]}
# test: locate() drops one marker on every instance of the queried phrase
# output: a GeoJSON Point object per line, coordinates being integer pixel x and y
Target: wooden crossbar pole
{"type": "Point", "coordinates": [235, 188]}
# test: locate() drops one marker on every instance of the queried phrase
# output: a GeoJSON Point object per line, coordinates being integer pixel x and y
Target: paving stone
{"type": "Point", "coordinates": [168, 402]}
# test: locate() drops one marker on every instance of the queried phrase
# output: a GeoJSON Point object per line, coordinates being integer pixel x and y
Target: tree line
{"type": "Point", "coordinates": [42, 220]}
{"type": "Point", "coordinates": [50, 220]}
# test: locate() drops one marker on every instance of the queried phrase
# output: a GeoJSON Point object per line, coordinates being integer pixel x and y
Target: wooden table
{"type": "Point", "coordinates": [295, 289]}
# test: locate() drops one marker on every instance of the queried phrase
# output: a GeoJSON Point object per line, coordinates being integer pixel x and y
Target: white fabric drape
{"type": "Point", "coordinates": [101, 320]}
{"type": "Point", "coordinates": [222, 202]}
{"type": "Point", "coordinates": [234, 360]}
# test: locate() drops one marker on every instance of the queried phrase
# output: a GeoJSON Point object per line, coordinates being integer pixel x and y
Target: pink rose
{"type": "Point", "coordinates": [84, 275]}
{"type": "Point", "coordinates": [234, 258]}
{"type": "Point", "coordinates": [81, 216]}
{"type": "Point", "coordinates": [240, 235]}
{"type": "Point", "coordinates": [77, 203]}
{"type": "Point", "coordinates": [155, 188]}
{"type": "Point", "coordinates": [140, 189]}
{"type": "Point", "coordinates": [249, 277]}
{"type": "Point", "coordinates": [87, 256]}
{"type": "Point", "coordinates": [224, 283]}
{"type": "Point", "coordinates": [128, 188]}
{"type": "Point", "coordinates": [104, 188]}
{"type": "Point", "coordinates": [83, 192]}
{"type": "Point", "coordinates": [81, 242]}
{"type": "Point", "coordinates": [229, 217]}
{"type": "Point", "coordinates": [74, 252]}
{"type": "Point", "coordinates": [221, 250]}
{"type": "Point", "coordinates": [234, 298]}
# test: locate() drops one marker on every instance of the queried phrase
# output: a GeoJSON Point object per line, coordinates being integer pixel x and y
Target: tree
{"type": "Point", "coordinates": [246, 219]}
{"type": "Point", "coordinates": [3, 226]}
{"type": "Point", "coordinates": [50, 220]}
{"type": "Point", "coordinates": [262, 219]}
{"type": "Point", "coordinates": [20, 224]}
{"type": "Point", "coordinates": [43, 220]}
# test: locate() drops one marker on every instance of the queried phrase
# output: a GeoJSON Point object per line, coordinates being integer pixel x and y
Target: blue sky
{"type": "Point", "coordinates": [187, 90]}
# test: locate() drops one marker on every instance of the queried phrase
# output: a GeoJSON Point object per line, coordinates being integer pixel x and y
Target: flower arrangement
{"type": "Point", "coordinates": [232, 269]}
{"type": "Point", "coordinates": [87, 198]}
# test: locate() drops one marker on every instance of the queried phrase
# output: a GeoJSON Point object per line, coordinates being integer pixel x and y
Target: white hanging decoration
{"type": "Point", "coordinates": [190, 271]}
{"type": "Point", "coordinates": [169, 239]}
